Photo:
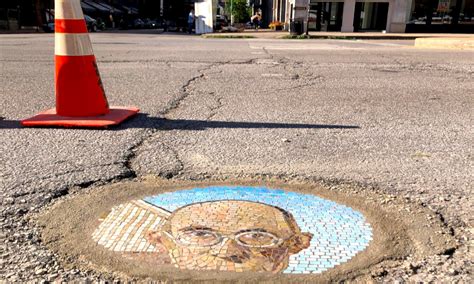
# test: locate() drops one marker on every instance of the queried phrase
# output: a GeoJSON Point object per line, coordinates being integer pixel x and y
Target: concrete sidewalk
{"type": "Point", "coordinates": [270, 34]}
{"type": "Point", "coordinates": [446, 42]}
{"type": "Point", "coordinates": [440, 41]}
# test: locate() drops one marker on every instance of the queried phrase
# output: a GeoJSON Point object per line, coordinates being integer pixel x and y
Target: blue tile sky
{"type": "Point", "coordinates": [339, 231]}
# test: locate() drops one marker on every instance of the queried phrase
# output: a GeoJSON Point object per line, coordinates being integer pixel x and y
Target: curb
{"type": "Point", "coordinates": [445, 43]}
{"type": "Point", "coordinates": [346, 37]}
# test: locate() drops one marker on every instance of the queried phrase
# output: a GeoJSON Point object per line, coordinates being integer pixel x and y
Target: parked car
{"type": "Point", "coordinates": [49, 27]}
{"type": "Point", "coordinates": [90, 23]}
{"type": "Point", "coordinates": [138, 24]}
{"type": "Point", "coordinates": [100, 24]}
{"type": "Point", "coordinates": [169, 26]}
{"type": "Point", "coordinates": [151, 24]}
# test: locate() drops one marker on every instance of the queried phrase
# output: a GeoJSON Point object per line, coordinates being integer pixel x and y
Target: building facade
{"type": "Point", "coordinates": [23, 13]}
{"type": "Point", "coordinates": [18, 14]}
{"type": "Point", "coordinates": [455, 16]}
{"type": "Point", "coordinates": [28, 14]}
{"type": "Point", "coordinates": [394, 16]}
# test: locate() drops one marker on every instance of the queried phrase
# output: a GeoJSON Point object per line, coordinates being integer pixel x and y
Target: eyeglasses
{"type": "Point", "coordinates": [208, 238]}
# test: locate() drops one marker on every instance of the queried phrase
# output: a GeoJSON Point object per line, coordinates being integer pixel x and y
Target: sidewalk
{"type": "Point", "coordinates": [270, 34]}
{"type": "Point", "coordinates": [27, 30]}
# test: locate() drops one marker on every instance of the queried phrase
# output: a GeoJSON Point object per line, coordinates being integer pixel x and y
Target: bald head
{"type": "Point", "coordinates": [227, 216]}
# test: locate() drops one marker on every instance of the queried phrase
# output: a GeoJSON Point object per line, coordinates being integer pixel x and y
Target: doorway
{"type": "Point", "coordinates": [370, 16]}
{"type": "Point", "coordinates": [325, 16]}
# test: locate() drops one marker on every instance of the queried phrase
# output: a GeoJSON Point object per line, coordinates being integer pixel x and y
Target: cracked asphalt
{"type": "Point", "coordinates": [377, 113]}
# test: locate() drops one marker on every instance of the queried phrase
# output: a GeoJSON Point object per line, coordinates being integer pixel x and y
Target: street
{"type": "Point", "coordinates": [392, 120]}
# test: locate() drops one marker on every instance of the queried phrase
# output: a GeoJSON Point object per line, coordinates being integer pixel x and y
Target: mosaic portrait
{"type": "Point", "coordinates": [238, 229]}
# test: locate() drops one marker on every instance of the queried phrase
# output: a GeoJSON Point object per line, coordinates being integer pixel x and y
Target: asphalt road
{"type": "Point", "coordinates": [379, 113]}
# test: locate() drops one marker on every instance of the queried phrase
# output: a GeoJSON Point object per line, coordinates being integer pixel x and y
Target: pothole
{"type": "Point", "coordinates": [238, 229]}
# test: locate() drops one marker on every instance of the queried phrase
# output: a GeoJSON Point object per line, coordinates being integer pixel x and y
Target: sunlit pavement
{"type": "Point", "coordinates": [381, 114]}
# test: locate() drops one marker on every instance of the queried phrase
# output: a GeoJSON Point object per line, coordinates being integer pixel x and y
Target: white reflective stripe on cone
{"type": "Point", "coordinates": [68, 9]}
{"type": "Point", "coordinates": [73, 44]}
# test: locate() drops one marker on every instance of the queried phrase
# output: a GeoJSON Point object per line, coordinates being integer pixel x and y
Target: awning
{"type": "Point", "coordinates": [88, 9]}
{"type": "Point", "coordinates": [98, 7]}
{"type": "Point", "coordinates": [110, 8]}
{"type": "Point", "coordinates": [130, 10]}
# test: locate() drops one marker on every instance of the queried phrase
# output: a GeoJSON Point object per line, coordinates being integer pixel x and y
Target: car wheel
{"type": "Point", "coordinates": [94, 28]}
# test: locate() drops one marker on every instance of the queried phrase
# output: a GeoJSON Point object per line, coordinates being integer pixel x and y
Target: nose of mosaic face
{"type": "Point", "coordinates": [230, 250]}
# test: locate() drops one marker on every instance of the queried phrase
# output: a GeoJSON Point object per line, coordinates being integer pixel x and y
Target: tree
{"type": "Point", "coordinates": [240, 10]}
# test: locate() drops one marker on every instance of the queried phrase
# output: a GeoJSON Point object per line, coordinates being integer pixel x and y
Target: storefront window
{"type": "Point", "coordinates": [325, 16]}
{"type": "Point", "coordinates": [370, 16]}
{"type": "Point", "coordinates": [442, 16]}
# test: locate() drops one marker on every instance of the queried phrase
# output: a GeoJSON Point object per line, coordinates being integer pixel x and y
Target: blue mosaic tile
{"type": "Point", "coordinates": [339, 232]}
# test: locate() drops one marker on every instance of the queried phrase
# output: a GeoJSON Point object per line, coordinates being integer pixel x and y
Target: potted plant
{"type": "Point", "coordinates": [276, 26]}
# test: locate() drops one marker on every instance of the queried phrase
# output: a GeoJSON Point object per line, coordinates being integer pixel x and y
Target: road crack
{"type": "Point", "coordinates": [169, 108]}
{"type": "Point", "coordinates": [215, 109]}
{"type": "Point", "coordinates": [178, 169]}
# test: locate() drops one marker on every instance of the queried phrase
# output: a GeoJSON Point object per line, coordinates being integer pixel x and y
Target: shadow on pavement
{"type": "Point", "coordinates": [10, 124]}
{"type": "Point", "coordinates": [145, 121]}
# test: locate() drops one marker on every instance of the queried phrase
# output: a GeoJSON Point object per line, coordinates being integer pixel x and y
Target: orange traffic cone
{"type": "Point", "coordinates": [80, 96]}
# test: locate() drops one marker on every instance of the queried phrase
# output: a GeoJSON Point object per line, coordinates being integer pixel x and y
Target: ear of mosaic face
{"type": "Point", "coordinates": [300, 242]}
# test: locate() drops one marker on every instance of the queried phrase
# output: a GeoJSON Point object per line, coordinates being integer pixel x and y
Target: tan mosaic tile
{"type": "Point", "coordinates": [126, 226]}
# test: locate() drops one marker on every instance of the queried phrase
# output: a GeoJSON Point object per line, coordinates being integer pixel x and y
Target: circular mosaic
{"type": "Point", "coordinates": [237, 228]}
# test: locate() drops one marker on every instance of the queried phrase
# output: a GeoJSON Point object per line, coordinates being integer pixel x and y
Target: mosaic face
{"type": "Point", "coordinates": [231, 235]}
{"type": "Point", "coordinates": [237, 229]}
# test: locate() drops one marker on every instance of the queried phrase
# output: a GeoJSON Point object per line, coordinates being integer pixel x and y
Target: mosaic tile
{"type": "Point", "coordinates": [236, 228]}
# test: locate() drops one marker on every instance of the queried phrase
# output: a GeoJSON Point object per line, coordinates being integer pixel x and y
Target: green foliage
{"type": "Point", "coordinates": [303, 36]}
{"type": "Point", "coordinates": [240, 10]}
{"type": "Point", "coordinates": [228, 36]}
